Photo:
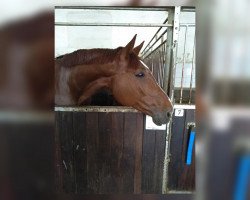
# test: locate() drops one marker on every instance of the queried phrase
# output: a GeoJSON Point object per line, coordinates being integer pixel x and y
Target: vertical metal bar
{"type": "Point", "coordinates": [160, 66]}
{"type": "Point", "coordinates": [183, 65]}
{"type": "Point", "coordinates": [152, 65]}
{"type": "Point", "coordinates": [169, 78]}
{"type": "Point", "coordinates": [176, 54]}
{"type": "Point", "coordinates": [173, 55]}
{"type": "Point", "coordinates": [168, 44]}
{"type": "Point", "coordinates": [163, 65]}
{"type": "Point", "coordinates": [191, 79]}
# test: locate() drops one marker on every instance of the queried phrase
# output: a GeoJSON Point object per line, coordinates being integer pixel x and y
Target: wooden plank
{"type": "Point", "coordinates": [148, 160]}
{"type": "Point", "coordinates": [104, 152]}
{"type": "Point", "coordinates": [58, 159]}
{"type": "Point", "coordinates": [176, 162]}
{"type": "Point", "coordinates": [67, 151]}
{"type": "Point", "coordinates": [117, 152]}
{"type": "Point", "coordinates": [160, 143]}
{"type": "Point", "coordinates": [92, 152]}
{"type": "Point", "coordinates": [138, 153]}
{"type": "Point", "coordinates": [80, 152]}
{"type": "Point", "coordinates": [153, 161]}
{"type": "Point", "coordinates": [128, 160]}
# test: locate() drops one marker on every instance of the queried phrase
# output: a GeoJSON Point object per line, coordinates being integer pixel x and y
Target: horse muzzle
{"type": "Point", "coordinates": [160, 118]}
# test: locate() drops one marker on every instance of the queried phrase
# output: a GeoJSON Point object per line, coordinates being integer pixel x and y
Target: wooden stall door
{"type": "Point", "coordinates": [99, 153]}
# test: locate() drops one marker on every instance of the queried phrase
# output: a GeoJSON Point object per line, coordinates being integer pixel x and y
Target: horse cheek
{"type": "Point", "coordinates": [121, 91]}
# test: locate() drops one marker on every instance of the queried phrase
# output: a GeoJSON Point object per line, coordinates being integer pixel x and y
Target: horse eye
{"type": "Point", "coordinates": [140, 75]}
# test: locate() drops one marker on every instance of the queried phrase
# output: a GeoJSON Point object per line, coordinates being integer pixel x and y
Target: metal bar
{"type": "Point", "coordinates": [191, 78]}
{"type": "Point", "coordinates": [112, 24]}
{"type": "Point", "coordinates": [96, 109]}
{"type": "Point", "coordinates": [183, 65]}
{"type": "Point", "coordinates": [154, 36]}
{"type": "Point", "coordinates": [150, 47]}
{"type": "Point", "coordinates": [114, 8]}
{"type": "Point", "coordinates": [172, 41]}
{"type": "Point", "coordinates": [161, 51]}
{"type": "Point", "coordinates": [155, 49]}
{"type": "Point", "coordinates": [172, 72]}
{"type": "Point", "coordinates": [169, 44]}
{"type": "Point", "coordinates": [163, 54]}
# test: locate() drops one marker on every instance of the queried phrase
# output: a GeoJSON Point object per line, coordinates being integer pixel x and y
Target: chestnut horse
{"type": "Point", "coordinates": [79, 75]}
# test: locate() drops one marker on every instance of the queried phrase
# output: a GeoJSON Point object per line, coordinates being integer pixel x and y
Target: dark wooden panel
{"type": "Point", "coordinates": [92, 152]}
{"type": "Point", "coordinates": [128, 160]}
{"type": "Point", "coordinates": [138, 153]}
{"type": "Point", "coordinates": [180, 175]}
{"type": "Point", "coordinates": [104, 154]}
{"type": "Point", "coordinates": [153, 161]}
{"type": "Point", "coordinates": [58, 159]}
{"type": "Point", "coordinates": [80, 152]}
{"type": "Point", "coordinates": [148, 161]}
{"type": "Point", "coordinates": [67, 151]}
{"type": "Point", "coordinates": [160, 143]}
{"type": "Point", "coordinates": [110, 153]}
{"type": "Point", "coordinates": [117, 152]}
{"type": "Point", "coordinates": [103, 151]}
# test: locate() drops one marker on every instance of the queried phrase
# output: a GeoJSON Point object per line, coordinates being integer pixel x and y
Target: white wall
{"type": "Point", "coordinates": [70, 38]}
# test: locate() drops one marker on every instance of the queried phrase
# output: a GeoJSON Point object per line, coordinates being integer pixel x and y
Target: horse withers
{"type": "Point", "coordinates": [81, 74]}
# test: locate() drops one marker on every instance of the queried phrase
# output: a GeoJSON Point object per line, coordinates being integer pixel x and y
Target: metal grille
{"type": "Point", "coordinates": [155, 54]}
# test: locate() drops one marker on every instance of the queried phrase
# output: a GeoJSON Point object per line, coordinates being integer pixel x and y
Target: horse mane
{"type": "Point", "coordinates": [88, 56]}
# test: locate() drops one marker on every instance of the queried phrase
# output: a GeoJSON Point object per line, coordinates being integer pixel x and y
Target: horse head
{"type": "Point", "coordinates": [134, 85]}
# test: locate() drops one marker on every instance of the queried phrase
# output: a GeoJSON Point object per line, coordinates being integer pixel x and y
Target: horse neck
{"type": "Point", "coordinates": [82, 75]}
{"type": "Point", "coordinates": [95, 70]}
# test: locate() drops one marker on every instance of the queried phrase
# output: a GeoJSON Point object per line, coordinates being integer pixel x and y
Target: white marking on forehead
{"type": "Point", "coordinates": [144, 65]}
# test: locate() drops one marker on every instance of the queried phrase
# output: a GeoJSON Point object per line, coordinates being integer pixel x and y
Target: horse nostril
{"type": "Point", "coordinates": [168, 114]}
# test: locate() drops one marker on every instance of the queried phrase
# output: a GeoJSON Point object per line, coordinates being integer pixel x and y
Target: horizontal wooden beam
{"type": "Point", "coordinates": [95, 109]}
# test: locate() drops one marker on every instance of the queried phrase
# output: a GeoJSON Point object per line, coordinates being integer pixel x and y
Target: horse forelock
{"type": "Point", "coordinates": [89, 56]}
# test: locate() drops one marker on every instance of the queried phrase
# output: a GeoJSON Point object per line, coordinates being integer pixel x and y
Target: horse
{"type": "Point", "coordinates": [81, 74]}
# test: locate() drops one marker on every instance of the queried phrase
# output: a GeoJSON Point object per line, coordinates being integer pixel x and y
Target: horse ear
{"type": "Point", "coordinates": [137, 49]}
{"type": "Point", "coordinates": [128, 48]}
